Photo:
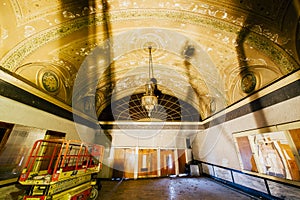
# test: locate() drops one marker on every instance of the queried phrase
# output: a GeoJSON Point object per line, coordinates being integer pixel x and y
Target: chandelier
{"type": "Point", "coordinates": [149, 100]}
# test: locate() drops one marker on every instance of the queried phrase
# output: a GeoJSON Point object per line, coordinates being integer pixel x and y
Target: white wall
{"type": "Point", "coordinates": [215, 145]}
{"type": "Point", "coordinates": [156, 138]}
{"type": "Point", "coordinates": [18, 113]}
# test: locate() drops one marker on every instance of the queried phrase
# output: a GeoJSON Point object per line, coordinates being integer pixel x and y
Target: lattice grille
{"type": "Point", "coordinates": [169, 108]}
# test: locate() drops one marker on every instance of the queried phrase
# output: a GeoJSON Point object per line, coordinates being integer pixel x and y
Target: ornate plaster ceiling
{"type": "Point", "coordinates": [94, 54]}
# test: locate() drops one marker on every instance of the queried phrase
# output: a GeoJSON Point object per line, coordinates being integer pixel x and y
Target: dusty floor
{"type": "Point", "coordinates": [184, 188]}
{"type": "Point", "coordinates": [199, 188]}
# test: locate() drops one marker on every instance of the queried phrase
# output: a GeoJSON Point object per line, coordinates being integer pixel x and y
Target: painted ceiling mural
{"type": "Point", "coordinates": [93, 55]}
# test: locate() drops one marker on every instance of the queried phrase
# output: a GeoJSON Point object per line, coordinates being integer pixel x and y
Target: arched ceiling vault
{"type": "Point", "coordinates": [206, 54]}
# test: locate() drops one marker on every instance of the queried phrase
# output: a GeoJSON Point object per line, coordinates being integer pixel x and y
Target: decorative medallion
{"type": "Point", "coordinates": [50, 81]}
{"type": "Point", "coordinates": [248, 82]}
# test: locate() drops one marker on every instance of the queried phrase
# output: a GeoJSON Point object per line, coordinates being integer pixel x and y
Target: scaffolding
{"type": "Point", "coordinates": [62, 169]}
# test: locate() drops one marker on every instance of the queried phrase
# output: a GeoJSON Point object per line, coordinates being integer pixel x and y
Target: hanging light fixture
{"type": "Point", "coordinates": [149, 100]}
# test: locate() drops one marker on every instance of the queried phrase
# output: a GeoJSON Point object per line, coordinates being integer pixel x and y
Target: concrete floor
{"type": "Point", "coordinates": [179, 188]}
{"type": "Point", "coordinates": [198, 188]}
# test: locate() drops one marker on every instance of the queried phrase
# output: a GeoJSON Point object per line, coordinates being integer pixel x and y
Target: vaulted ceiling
{"type": "Point", "coordinates": [93, 55]}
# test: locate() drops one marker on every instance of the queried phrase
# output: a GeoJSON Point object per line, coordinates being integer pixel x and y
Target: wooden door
{"type": "Point", "coordinates": [181, 160]}
{"type": "Point", "coordinates": [118, 166]}
{"type": "Point", "coordinates": [124, 162]}
{"type": "Point", "coordinates": [147, 166]}
{"type": "Point", "coordinates": [129, 163]}
{"type": "Point", "coordinates": [167, 162]}
{"type": "Point", "coordinates": [246, 154]}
